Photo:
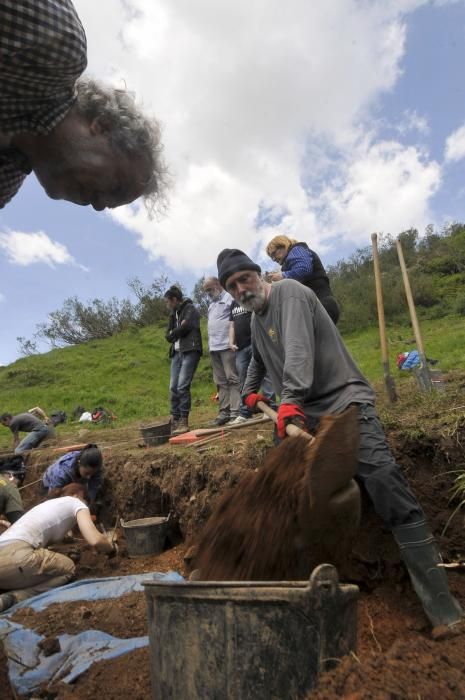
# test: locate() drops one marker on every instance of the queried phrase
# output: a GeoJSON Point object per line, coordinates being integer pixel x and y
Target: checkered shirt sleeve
{"type": "Point", "coordinates": [42, 53]}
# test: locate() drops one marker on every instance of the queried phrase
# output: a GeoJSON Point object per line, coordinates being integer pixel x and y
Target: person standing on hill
{"type": "Point", "coordinates": [222, 356]}
{"type": "Point", "coordinates": [294, 340]}
{"type": "Point", "coordinates": [184, 334]}
{"type": "Point", "coordinates": [36, 431]}
{"type": "Point", "coordinates": [299, 262]}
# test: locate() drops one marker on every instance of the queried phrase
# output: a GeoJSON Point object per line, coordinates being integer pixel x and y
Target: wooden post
{"type": "Point", "coordinates": [423, 373]}
{"type": "Point", "coordinates": [388, 380]}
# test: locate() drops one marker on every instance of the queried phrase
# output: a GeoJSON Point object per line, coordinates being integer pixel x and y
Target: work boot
{"type": "Point", "coordinates": [421, 556]}
{"type": "Point", "coordinates": [182, 426]}
{"type": "Point", "coordinates": [7, 600]}
{"type": "Point", "coordinates": [174, 424]}
{"type": "Point", "coordinates": [219, 420]}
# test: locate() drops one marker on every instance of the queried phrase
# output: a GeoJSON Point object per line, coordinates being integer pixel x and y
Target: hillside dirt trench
{"type": "Point", "coordinates": [395, 657]}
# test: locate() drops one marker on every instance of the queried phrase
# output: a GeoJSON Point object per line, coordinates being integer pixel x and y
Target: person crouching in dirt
{"type": "Point", "coordinates": [11, 505]}
{"type": "Point", "coordinates": [27, 566]}
{"type": "Point", "coordinates": [183, 333]}
{"type": "Point", "coordinates": [36, 431]}
{"type": "Point", "coordinates": [295, 341]}
{"type": "Point", "coordinates": [79, 466]}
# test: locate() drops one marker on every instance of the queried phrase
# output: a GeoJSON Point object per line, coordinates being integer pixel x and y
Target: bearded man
{"type": "Point", "coordinates": [296, 342]}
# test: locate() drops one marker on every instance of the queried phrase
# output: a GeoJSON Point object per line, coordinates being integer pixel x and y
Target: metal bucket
{"type": "Point", "coordinates": [156, 434]}
{"type": "Point", "coordinates": [145, 536]}
{"type": "Point", "coordinates": [234, 640]}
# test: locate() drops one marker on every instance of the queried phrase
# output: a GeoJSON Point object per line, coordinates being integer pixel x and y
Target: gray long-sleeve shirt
{"type": "Point", "coordinates": [296, 342]}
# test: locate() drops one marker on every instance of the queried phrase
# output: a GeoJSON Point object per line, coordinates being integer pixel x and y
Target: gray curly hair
{"type": "Point", "coordinates": [130, 131]}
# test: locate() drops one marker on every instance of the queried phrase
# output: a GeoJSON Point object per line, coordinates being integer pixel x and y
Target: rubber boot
{"type": "Point", "coordinates": [421, 556]}
{"type": "Point", "coordinates": [182, 426]}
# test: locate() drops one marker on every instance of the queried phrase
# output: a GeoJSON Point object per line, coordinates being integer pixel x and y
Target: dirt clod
{"type": "Point", "coordinates": [50, 646]}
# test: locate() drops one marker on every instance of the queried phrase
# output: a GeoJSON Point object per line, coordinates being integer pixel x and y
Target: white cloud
{"type": "Point", "coordinates": [2, 297]}
{"type": "Point", "coordinates": [385, 187]}
{"type": "Point", "coordinates": [413, 122]}
{"type": "Point", "coordinates": [245, 91]}
{"type": "Point", "coordinates": [29, 248]}
{"type": "Point", "coordinates": [455, 145]}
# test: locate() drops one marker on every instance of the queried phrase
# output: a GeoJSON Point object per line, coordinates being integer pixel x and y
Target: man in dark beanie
{"type": "Point", "coordinates": [183, 333]}
{"type": "Point", "coordinates": [295, 341]}
{"type": "Point", "coordinates": [232, 260]}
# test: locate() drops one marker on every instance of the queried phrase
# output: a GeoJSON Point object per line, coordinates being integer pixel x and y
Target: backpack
{"type": "Point", "coordinates": [58, 417]}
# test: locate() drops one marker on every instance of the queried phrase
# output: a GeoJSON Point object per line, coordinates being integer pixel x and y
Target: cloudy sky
{"type": "Point", "coordinates": [326, 120]}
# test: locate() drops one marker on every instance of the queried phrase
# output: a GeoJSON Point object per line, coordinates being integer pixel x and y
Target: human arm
{"type": "Point", "coordinates": [232, 337]}
{"type": "Point", "coordinates": [297, 335]}
{"type": "Point", "coordinates": [275, 276]}
{"type": "Point", "coordinates": [190, 321]}
{"type": "Point", "coordinates": [299, 261]}
{"type": "Point", "coordinates": [90, 533]}
{"type": "Point", "coordinates": [255, 373]}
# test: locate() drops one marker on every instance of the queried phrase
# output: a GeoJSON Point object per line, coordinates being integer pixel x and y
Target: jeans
{"type": "Point", "coordinates": [32, 439]}
{"type": "Point", "coordinates": [379, 474]}
{"type": "Point", "coordinates": [183, 366]}
{"type": "Point", "coordinates": [243, 357]}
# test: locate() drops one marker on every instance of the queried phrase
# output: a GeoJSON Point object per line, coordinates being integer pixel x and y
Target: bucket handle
{"type": "Point", "coordinates": [324, 580]}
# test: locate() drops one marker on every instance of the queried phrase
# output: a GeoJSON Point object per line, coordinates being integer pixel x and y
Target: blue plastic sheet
{"type": "Point", "coordinates": [29, 668]}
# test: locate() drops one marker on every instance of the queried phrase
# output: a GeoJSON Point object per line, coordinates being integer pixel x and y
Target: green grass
{"type": "Point", "coordinates": [129, 373]}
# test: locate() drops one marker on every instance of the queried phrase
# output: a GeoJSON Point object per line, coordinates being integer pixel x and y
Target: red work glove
{"type": "Point", "coordinates": [251, 401]}
{"type": "Point", "coordinates": [289, 413]}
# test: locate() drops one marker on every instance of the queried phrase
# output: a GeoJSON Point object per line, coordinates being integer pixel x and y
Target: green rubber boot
{"type": "Point", "coordinates": [421, 556]}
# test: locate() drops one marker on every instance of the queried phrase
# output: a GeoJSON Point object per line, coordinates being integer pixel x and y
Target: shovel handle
{"type": "Point", "coordinates": [291, 429]}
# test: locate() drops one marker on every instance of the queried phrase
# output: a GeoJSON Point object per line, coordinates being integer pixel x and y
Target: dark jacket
{"type": "Point", "coordinates": [64, 472]}
{"type": "Point", "coordinates": [188, 333]}
{"type": "Point", "coordinates": [316, 279]}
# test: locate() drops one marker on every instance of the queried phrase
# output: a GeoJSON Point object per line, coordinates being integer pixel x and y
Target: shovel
{"type": "Point", "coordinates": [333, 456]}
{"type": "Point", "coordinates": [301, 508]}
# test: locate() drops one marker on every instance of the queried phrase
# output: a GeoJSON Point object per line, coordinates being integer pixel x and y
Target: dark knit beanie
{"type": "Point", "coordinates": [232, 260]}
{"type": "Point", "coordinates": [173, 293]}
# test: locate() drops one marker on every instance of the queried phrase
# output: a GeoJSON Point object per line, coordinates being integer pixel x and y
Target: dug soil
{"type": "Point", "coordinates": [395, 657]}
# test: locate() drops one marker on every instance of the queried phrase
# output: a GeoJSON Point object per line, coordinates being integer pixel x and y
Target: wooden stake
{"type": "Point", "coordinates": [388, 380]}
{"type": "Point", "coordinates": [424, 375]}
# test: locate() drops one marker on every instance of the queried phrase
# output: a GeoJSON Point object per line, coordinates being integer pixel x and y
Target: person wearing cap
{"type": "Point", "coordinates": [79, 466]}
{"type": "Point", "coordinates": [183, 334]}
{"type": "Point", "coordinates": [299, 262]}
{"type": "Point", "coordinates": [36, 430]}
{"type": "Point", "coordinates": [27, 566]}
{"type": "Point", "coordinates": [223, 357]}
{"type": "Point", "coordinates": [295, 341]}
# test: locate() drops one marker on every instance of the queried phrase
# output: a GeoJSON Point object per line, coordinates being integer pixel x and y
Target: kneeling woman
{"type": "Point", "coordinates": [80, 466]}
{"type": "Point", "coordinates": [27, 567]}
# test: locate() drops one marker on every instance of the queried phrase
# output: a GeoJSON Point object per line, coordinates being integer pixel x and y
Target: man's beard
{"type": "Point", "coordinates": [253, 302]}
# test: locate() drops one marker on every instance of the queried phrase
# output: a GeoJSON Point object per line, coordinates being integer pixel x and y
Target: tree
{"type": "Point", "coordinates": [27, 347]}
{"type": "Point", "coordinates": [200, 297]}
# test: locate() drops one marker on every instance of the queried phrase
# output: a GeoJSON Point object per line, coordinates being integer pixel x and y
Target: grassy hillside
{"type": "Point", "coordinates": [129, 373]}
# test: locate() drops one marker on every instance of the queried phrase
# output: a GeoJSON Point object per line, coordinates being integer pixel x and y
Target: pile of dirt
{"type": "Point", "coordinates": [277, 524]}
{"type": "Point", "coordinates": [6, 691]}
{"type": "Point", "coordinates": [396, 658]}
{"type": "Point", "coordinates": [125, 617]}
{"type": "Point", "coordinates": [251, 535]}
{"type": "Point", "coordinates": [126, 677]}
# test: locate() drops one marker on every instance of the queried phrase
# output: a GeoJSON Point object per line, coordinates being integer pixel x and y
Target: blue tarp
{"type": "Point", "coordinates": [78, 651]}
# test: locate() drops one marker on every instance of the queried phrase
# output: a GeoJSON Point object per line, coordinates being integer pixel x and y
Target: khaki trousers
{"type": "Point", "coordinates": [25, 571]}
